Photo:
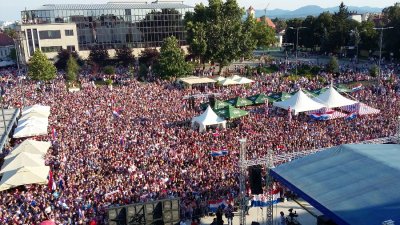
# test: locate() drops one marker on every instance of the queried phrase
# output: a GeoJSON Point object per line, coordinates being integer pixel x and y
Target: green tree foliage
{"type": "Point", "coordinates": [280, 24]}
{"type": "Point", "coordinates": [149, 57]}
{"type": "Point", "coordinates": [63, 57]}
{"type": "Point", "coordinates": [99, 56]}
{"type": "Point", "coordinates": [172, 60]}
{"type": "Point", "coordinates": [125, 56]}
{"type": "Point", "coordinates": [263, 34]}
{"type": "Point", "coordinates": [72, 69]}
{"type": "Point", "coordinates": [333, 65]}
{"type": "Point", "coordinates": [226, 38]}
{"type": "Point", "coordinates": [373, 71]}
{"type": "Point", "coordinates": [391, 37]}
{"type": "Point", "coordinates": [109, 70]}
{"type": "Point", "coordinates": [197, 37]}
{"type": "Point", "coordinates": [40, 68]}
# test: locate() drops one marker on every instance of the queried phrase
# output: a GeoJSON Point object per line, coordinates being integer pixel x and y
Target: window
{"type": "Point", "coordinates": [50, 34]}
{"type": "Point", "coordinates": [69, 32]}
{"type": "Point", "coordinates": [51, 49]}
{"type": "Point", "coordinates": [71, 48]}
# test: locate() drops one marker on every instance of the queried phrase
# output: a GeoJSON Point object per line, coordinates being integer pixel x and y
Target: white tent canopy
{"type": "Point", "coordinates": [21, 160]}
{"type": "Point", "coordinates": [30, 130]}
{"type": "Point", "coordinates": [34, 115]}
{"type": "Point", "coordinates": [31, 146]}
{"type": "Point", "coordinates": [41, 109]}
{"type": "Point", "coordinates": [333, 99]}
{"type": "Point", "coordinates": [299, 102]}
{"type": "Point", "coordinates": [227, 82]}
{"type": "Point", "coordinates": [209, 117]}
{"type": "Point", "coordinates": [33, 122]}
{"type": "Point", "coordinates": [219, 78]}
{"type": "Point", "coordinates": [244, 80]}
{"type": "Point", "coordinates": [235, 77]}
{"type": "Point", "coordinates": [23, 176]}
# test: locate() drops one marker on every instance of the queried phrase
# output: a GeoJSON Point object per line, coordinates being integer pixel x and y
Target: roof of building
{"type": "Point", "coordinates": [267, 20]}
{"type": "Point", "coordinates": [10, 116]}
{"type": "Point", "coordinates": [5, 40]}
{"type": "Point", "coordinates": [351, 184]}
{"type": "Point", "coordinates": [162, 5]}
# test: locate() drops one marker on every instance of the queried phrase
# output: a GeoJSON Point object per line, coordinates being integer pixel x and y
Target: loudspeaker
{"type": "Point", "coordinates": [255, 223]}
{"type": "Point", "coordinates": [255, 180]}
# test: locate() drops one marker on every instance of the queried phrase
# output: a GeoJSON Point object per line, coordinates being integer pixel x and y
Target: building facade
{"type": "Point", "coordinates": [81, 27]}
{"type": "Point", "coordinates": [6, 46]}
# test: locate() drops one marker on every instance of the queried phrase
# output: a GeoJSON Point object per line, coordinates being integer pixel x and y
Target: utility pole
{"type": "Point", "coordinates": [297, 41]}
{"type": "Point", "coordinates": [380, 47]}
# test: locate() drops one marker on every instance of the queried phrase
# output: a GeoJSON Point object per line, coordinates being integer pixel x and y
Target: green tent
{"type": "Point", "coordinates": [239, 102]}
{"type": "Point", "coordinates": [319, 91]}
{"type": "Point", "coordinates": [218, 105]}
{"type": "Point", "coordinates": [258, 99]}
{"type": "Point", "coordinates": [310, 94]}
{"type": "Point", "coordinates": [280, 96]}
{"type": "Point", "coordinates": [343, 89]}
{"type": "Point", "coordinates": [231, 112]}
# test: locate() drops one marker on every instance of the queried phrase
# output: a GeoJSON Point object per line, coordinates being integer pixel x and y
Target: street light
{"type": "Point", "coordinates": [297, 40]}
{"type": "Point", "coordinates": [380, 47]}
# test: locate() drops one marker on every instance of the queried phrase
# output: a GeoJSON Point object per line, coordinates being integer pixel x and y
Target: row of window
{"type": "Point", "coordinates": [4, 53]}
{"type": "Point", "coordinates": [54, 34]}
{"type": "Point", "coordinates": [49, 49]}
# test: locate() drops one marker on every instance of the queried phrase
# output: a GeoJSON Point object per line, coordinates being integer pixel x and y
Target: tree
{"type": "Point", "coordinates": [109, 70]}
{"type": "Point", "coordinates": [373, 71]}
{"type": "Point", "coordinates": [333, 65]}
{"type": "Point", "coordinates": [197, 39]}
{"type": "Point", "coordinates": [99, 56]}
{"type": "Point", "coordinates": [280, 24]}
{"type": "Point", "coordinates": [124, 55]}
{"type": "Point", "coordinates": [63, 57]}
{"type": "Point", "coordinates": [263, 34]}
{"type": "Point", "coordinates": [172, 60]}
{"type": "Point", "coordinates": [226, 37]}
{"type": "Point", "coordinates": [40, 68]}
{"type": "Point", "coordinates": [392, 19]}
{"type": "Point", "coordinates": [72, 69]}
{"type": "Point", "coordinates": [149, 57]}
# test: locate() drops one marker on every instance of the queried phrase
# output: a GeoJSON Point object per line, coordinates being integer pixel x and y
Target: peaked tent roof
{"type": "Point", "coordinates": [227, 82]}
{"type": "Point", "coordinates": [219, 78]}
{"type": "Point", "coordinates": [258, 99]}
{"type": "Point", "coordinates": [244, 80]}
{"type": "Point", "coordinates": [31, 146]}
{"type": "Point", "coordinates": [239, 102]}
{"type": "Point", "coordinates": [299, 102]}
{"type": "Point", "coordinates": [351, 184]}
{"type": "Point", "coordinates": [21, 160]}
{"type": "Point", "coordinates": [208, 117]}
{"type": "Point", "coordinates": [30, 130]}
{"type": "Point", "coordinates": [45, 110]}
{"type": "Point", "coordinates": [218, 105]}
{"type": "Point", "coordinates": [231, 112]}
{"type": "Point", "coordinates": [332, 99]}
{"type": "Point", "coordinates": [24, 175]}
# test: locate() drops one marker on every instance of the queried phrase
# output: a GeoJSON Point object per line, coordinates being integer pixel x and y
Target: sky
{"type": "Point", "coordinates": [10, 9]}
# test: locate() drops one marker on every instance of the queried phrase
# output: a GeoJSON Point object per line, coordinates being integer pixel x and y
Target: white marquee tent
{"type": "Point", "coordinates": [41, 109]}
{"type": "Point", "coordinates": [23, 176]}
{"type": "Point", "coordinates": [21, 160]}
{"type": "Point", "coordinates": [30, 130]}
{"type": "Point", "coordinates": [34, 115]}
{"type": "Point", "coordinates": [228, 81]}
{"type": "Point", "coordinates": [30, 146]}
{"type": "Point", "coordinates": [209, 117]}
{"type": "Point", "coordinates": [299, 102]}
{"type": "Point", "coordinates": [244, 80]}
{"type": "Point", "coordinates": [332, 99]}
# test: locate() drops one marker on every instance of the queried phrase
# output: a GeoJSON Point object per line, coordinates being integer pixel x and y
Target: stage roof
{"type": "Point", "coordinates": [10, 116]}
{"type": "Point", "coordinates": [351, 184]}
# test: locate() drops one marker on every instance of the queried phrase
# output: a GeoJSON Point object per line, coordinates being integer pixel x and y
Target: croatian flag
{"type": "Point", "coordinates": [322, 116]}
{"type": "Point", "coordinates": [213, 205]}
{"type": "Point", "coordinates": [221, 152]}
{"type": "Point", "coordinates": [351, 116]}
{"type": "Point", "coordinates": [357, 88]}
{"type": "Point", "coordinates": [262, 200]}
{"type": "Point", "coordinates": [117, 112]}
{"type": "Point", "coordinates": [54, 133]}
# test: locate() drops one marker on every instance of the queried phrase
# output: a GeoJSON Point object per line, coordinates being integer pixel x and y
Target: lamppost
{"type": "Point", "coordinates": [297, 40]}
{"type": "Point", "coordinates": [380, 47]}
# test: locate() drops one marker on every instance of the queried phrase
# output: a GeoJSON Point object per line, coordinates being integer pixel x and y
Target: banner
{"type": "Point", "coordinates": [262, 200]}
{"type": "Point", "coordinates": [213, 205]}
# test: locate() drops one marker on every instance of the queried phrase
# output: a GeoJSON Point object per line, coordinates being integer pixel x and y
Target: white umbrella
{"type": "Point", "coordinates": [23, 176]}
{"type": "Point", "coordinates": [20, 160]}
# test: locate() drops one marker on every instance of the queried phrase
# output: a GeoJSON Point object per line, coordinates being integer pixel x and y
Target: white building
{"type": "Point", "coordinates": [6, 45]}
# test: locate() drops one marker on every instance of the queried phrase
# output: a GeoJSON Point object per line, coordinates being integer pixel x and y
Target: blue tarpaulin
{"type": "Point", "coordinates": [352, 184]}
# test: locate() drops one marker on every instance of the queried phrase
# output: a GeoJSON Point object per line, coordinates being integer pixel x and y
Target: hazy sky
{"type": "Point", "coordinates": [10, 9]}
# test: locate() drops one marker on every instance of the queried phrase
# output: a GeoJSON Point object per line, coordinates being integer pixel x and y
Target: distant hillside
{"type": "Point", "coordinates": [312, 10]}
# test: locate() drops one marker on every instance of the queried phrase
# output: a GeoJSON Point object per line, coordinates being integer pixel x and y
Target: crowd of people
{"type": "Point", "coordinates": [131, 144]}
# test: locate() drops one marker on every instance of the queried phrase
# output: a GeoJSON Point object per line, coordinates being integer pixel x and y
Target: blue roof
{"type": "Point", "coordinates": [351, 184]}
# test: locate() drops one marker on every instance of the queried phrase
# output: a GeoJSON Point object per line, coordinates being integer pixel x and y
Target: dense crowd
{"type": "Point", "coordinates": [132, 143]}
